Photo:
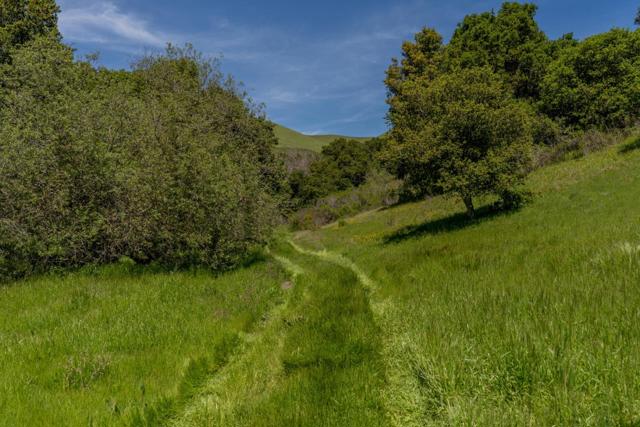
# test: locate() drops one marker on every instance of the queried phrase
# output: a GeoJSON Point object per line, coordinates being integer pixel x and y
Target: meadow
{"type": "Point", "coordinates": [291, 139]}
{"type": "Point", "coordinates": [406, 316]}
{"type": "Point", "coordinates": [121, 345]}
{"type": "Point", "coordinates": [525, 318]}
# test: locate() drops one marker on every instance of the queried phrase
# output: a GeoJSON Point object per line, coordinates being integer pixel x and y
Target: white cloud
{"type": "Point", "coordinates": [104, 23]}
{"type": "Point", "coordinates": [318, 82]}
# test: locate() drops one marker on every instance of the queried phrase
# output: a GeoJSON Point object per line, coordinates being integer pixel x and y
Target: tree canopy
{"type": "Point", "coordinates": [471, 137]}
{"type": "Point", "coordinates": [595, 83]}
{"type": "Point", "coordinates": [22, 20]}
{"type": "Point", "coordinates": [509, 41]}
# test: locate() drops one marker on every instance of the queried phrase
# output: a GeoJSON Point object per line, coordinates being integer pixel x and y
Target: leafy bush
{"type": "Point", "coordinates": [595, 83]}
{"type": "Point", "coordinates": [343, 164]}
{"type": "Point", "coordinates": [167, 163]}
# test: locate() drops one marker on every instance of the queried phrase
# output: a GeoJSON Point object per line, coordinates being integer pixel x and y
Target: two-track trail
{"type": "Point", "coordinates": [333, 354]}
{"type": "Point", "coordinates": [317, 361]}
{"type": "Point", "coordinates": [405, 397]}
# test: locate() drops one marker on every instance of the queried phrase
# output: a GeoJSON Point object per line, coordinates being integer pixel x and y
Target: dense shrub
{"type": "Point", "coordinates": [166, 163]}
{"type": "Point", "coordinates": [595, 83]}
{"type": "Point", "coordinates": [343, 164]}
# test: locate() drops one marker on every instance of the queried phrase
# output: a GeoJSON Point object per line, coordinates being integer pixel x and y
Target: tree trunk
{"type": "Point", "coordinates": [468, 202]}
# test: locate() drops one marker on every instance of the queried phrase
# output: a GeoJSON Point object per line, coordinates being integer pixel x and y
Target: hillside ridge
{"type": "Point", "coordinates": [289, 138]}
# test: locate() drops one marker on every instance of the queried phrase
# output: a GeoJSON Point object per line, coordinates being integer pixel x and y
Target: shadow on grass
{"type": "Point", "coordinates": [451, 223]}
{"type": "Point", "coordinates": [127, 267]}
{"type": "Point", "coordinates": [631, 146]}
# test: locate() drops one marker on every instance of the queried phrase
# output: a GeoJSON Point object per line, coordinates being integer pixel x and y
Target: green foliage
{"type": "Point", "coordinates": [168, 163]}
{"type": "Point", "coordinates": [470, 137]}
{"type": "Point", "coordinates": [420, 59]}
{"type": "Point", "coordinates": [344, 164]}
{"type": "Point", "coordinates": [351, 158]}
{"type": "Point", "coordinates": [22, 20]}
{"type": "Point", "coordinates": [595, 83]}
{"type": "Point", "coordinates": [510, 42]}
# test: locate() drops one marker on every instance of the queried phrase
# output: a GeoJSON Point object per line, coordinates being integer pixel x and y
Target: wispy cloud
{"type": "Point", "coordinates": [327, 83]}
{"type": "Point", "coordinates": [104, 23]}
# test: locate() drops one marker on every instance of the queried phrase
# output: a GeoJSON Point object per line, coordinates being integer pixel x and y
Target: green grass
{"type": "Point", "coordinates": [528, 318]}
{"type": "Point", "coordinates": [289, 138]}
{"type": "Point", "coordinates": [407, 316]}
{"type": "Point", "coordinates": [96, 348]}
{"type": "Point", "coordinates": [320, 363]}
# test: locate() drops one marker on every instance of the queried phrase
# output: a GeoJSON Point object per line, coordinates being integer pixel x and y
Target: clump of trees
{"type": "Point", "coordinates": [343, 164]}
{"type": "Point", "coordinates": [166, 163]}
{"type": "Point", "coordinates": [465, 115]}
{"type": "Point", "coordinates": [595, 83]}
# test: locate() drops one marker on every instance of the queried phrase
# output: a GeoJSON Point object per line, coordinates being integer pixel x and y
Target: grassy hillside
{"type": "Point", "coordinates": [408, 316]}
{"type": "Point", "coordinates": [292, 139]}
{"type": "Point", "coordinates": [527, 318]}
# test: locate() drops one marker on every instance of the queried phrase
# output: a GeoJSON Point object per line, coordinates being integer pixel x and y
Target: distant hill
{"type": "Point", "coordinates": [290, 138]}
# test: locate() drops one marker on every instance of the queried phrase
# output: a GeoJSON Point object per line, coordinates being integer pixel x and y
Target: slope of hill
{"type": "Point", "coordinates": [527, 318]}
{"type": "Point", "coordinates": [407, 316]}
{"type": "Point", "coordinates": [290, 138]}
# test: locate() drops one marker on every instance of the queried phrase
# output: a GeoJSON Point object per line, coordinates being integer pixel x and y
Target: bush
{"type": "Point", "coordinates": [167, 163]}
{"type": "Point", "coordinates": [379, 190]}
{"type": "Point", "coordinates": [595, 83]}
{"type": "Point", "coordinates": [343, 164]}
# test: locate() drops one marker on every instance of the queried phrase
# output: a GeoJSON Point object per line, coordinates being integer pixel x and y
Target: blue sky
{"type": "Point", "coordinates": [317, 65]}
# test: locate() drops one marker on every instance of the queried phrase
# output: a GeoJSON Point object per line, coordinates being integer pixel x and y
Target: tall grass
{"type": "Point", "coordinates": [121, 346]}
{"type": "Point", "coordinates": [528, 318]}
{"type": "Point", "coordinates": [321, 364]}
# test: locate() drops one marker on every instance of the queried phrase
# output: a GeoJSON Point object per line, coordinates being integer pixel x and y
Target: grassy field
{"type": "Point", "coordinates": [318, 364]}
{"type": "Point", "coordinates": [529, 318]}
{"type": "Point", "coordinates": [97, 348]}
{"type": "Point", "coordinates": [291, 139]}
{"type": "Point", "coordinates": [407, 316]}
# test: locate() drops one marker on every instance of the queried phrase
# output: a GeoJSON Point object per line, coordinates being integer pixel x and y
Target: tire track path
{"type": "Point", "coordinates": [405, 397]}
